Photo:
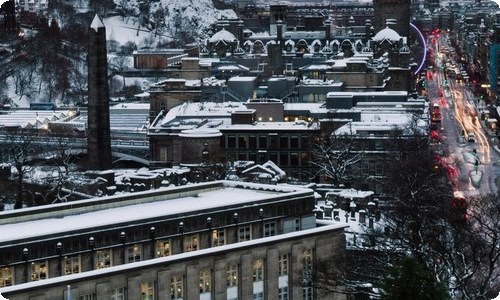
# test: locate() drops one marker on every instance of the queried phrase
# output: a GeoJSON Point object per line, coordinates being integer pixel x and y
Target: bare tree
{"type": "Point", "coordinates": [336, 156]}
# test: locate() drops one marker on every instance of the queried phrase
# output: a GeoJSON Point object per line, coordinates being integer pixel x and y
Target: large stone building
{"type": "Point", "coordinates": [215, 240]}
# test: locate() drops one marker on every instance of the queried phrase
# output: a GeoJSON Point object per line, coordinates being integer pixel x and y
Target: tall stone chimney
{"type": "Point", "coordinates": [98, 135]}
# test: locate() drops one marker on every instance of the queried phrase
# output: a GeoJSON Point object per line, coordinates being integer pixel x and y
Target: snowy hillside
{"type": "Point", "coordinates": [170, 20]}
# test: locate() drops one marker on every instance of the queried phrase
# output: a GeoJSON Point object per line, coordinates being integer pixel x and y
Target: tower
{"type": "Point", "coordinates": [98, 135]}
{"type": "Point", "coordinates": [398, 10]}
{"type": "Point", "coordinates": [8, 9]}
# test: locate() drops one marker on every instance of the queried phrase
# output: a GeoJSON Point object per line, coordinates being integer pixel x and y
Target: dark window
{"type": "Point", "coordinates": [231, 142]}
{"type": "Point", "coordinates": [242, 156]}
{"type": "Point", "coordinates": [294, 142]}
{"type": "Point", "coordinates": [252, 156]}
{"type": "Point", "coordinates": [263, 142]}
{"type": "Point", "coordinates": [284, 159]}
{"type": "Point", "coordinates": [242, 142]}
{"type": "Point", "coordinates": [273, 156]}
{"type": "Point", "coordinates": [262, 157]}
{"type": "Point", "coordinates": [294, 159]}
{"type": "Point", "coordinates": [304, 142]}
{"type": "Point", "coordinates": [273, 141]}
{"type": "Point", "coordinates": [283, 142]}
{"type": "Point", "coordinates": [252, 142]}
{"type": "Point", "coordinates": [304, 158]}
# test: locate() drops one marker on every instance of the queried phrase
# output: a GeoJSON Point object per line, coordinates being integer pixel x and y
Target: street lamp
{"type": "Point", "coordinates": [261, 217]}
{"type": "Point", "coordinates": [152, 235]}
{"type": "Point", "coordinates": [59, 253]}
{"type": "Point", "coordinates": [209, 227]}
{"type": "Point", "coordinates": [181, 232]}
{"type": "Point", "coordinates": [26, 253]}
{"type": "Point", "coordinates": [235, 221]}
{"type": "Point", "coordinates": [123, 239]}
{"type": "Point", "coordinates": [91, 248]}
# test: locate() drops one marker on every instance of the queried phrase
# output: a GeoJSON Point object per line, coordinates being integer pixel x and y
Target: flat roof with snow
{"type": "Point", "coordinates": [53, 220]}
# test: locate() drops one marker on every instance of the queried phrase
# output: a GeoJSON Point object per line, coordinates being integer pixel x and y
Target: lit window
{"type": "Point", "coordinates": [232, 275]}
{"type": "Point", "coordinates": [258, 270]}
{"type": "Point", "coordinates": [134, 253]}
{"type": "Point", "coordinates": [244, 233]}
{"type": "Point", "coordinates": [39, 271]}
{"type": "Point", "coordinates": [176, 287]}
{"type": "Point", "coordinates": [6, 278]}
{"type": "Point", "coordinates": [163, 248]}
{"type": "Point", "coordinates": [71, 264]}
{"type": "Point", "coordinates": [205, 282]}
{"type": "Point", "coordinates": [191, 243]}
{"type": "Point", "coordinates": [147, 290]}
{"type": "Point", "coordinates": [103, 258]}
{"type": "Point", "coordinates": [218, 237]}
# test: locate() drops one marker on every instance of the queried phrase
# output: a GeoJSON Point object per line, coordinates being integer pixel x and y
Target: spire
{"type": "Point", "coordinates": [96, 23]}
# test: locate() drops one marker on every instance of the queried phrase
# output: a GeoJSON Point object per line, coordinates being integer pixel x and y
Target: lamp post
{"type": "Point", "coordinates": [26, 254]}
{"type": "Point", "coordinates": [209, 227]}
{"type": "Point", "coordinates": [181, 232]}
{"type": "Point", "coordinates": [123, 239]}
{"type": "Point", "coordinates": [235, 221]}
{"type": "Point", "coordinates": [261, 217]}
{"type": "Point", "coordinates": [152, 234]}
{"type": "Point", "coordinates": [91, 248]}
{"type": "Point", "coordinates": [59, 253]}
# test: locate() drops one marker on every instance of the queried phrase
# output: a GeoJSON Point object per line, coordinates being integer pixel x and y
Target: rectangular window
{"type": "Point", "coordinates": [273, 156]}
{"type": "Point", "coordinates": [284, 159]}
{"type": "Point", "coordinates": [269, 228]}
{"type": "Point", "coordinates": [304, 158]}
{"type": "Point", "coordinates": [364, 168]}
{"type": "Point", "coordinates": [147, 290]}
{"type": "Point", "coordinates": [304, 142]}
{"type": "Point", "coordinates": [103, 258]}
{"type": "Point", "coordinates": [307, 293]}
{"type": "Point", "coordinates": [284, 142]}
{"type": "Point", "coordinates": [294, 142]}
{"type": "Point", "coordinates": [90, 296]}
{"type": "Point", "coordinates": [231, 142]}
{"type": "Point", "coordinates": [205, 281]}
{"type": "Point", "coordinates": [242, 156]}
{"type": "Point", "coordinates": [283, 293]}
{"type": "Point", "coordinates": [163, 154]}
{"type": "Point", "coordinates": [191, 243]}
{"type": "Point", "coordinates": [231, 275]}
{"type": "Point", "coordinates": [218, 237]}
{"type": "Point", "coordinates": [6, 278]}
{"type": "Point", "coordinates": [252, 142]}
{"type": "Point", "coordinates": [262, 142]}
{"type": "Point", "coordinates": [294, 159]}
{"type": "Point", "coordinates": [379, 169]}
{"type": "Point", "coordinates": [176, 287]}
{"type": "Point", "coordinates": [163, 248]}
{"type": "Point", "coordinates": [118, 294]}
{"type": "Point", "coordinates": [242, 142]}
{"type": "Point", "coordinates": [307, 261]}
{"type": "Point", "coordinates": [283, 265]}
{"type": "Point", "coordinates": [273, 141]}
{"type": "Point", "coordinates": [244, 233]}
{"type": "Point", "coordinates": [71, 264]}
{"type": "Point", "coordinates": [252, 156]}
{"type": "Point", "coordinates": [258, 269]}
{"type": "Point", "coordinates": [39, 271]}
{"type": "Point", "coordinates": [134, 253]}
{"type": "Point", "coordinates": [258, 296]}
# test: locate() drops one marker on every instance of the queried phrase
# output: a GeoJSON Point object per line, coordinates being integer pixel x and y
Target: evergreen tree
{"type": "Point", "coordinates": [411, 280]}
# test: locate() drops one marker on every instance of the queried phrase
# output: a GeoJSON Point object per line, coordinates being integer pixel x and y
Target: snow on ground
{"type": "Point", "coordinates": [17, 102]}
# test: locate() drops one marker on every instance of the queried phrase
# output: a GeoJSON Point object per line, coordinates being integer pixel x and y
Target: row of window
{"type": "Point", "coordinates": [134, 253]}
{"type": "Point", "coordinates": [271, 141]}
{"type": "Point", "coordinates": [205, 283]}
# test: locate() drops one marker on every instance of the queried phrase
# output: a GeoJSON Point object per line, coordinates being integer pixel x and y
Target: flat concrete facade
{"type": "Point", "coordinates": [140, 241]}
{"type": "Point", "coordinates": [159, 278]}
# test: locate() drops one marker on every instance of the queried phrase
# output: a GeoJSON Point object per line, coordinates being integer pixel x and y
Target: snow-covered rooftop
{"type": "Point", "coordinates": [223, 195]}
